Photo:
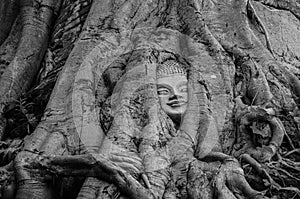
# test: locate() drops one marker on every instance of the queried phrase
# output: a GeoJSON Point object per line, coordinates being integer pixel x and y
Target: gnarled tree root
{"type": "Point", "coordinates": [229, 180]}
{"type": "Point", "coordinates": [247, 116]}
{"type": "Point", "coordinates": [36, 21]}
{"type": "Point", "coordinates": [81, 165]}
{"type": "Point", "coordinates": [8, 14]}
{"type": "Point", "coordinates": [291, 5]}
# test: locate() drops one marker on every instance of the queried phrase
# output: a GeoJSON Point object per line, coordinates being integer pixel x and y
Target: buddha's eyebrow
{"type": "Point", "coordinates": [162, 86]}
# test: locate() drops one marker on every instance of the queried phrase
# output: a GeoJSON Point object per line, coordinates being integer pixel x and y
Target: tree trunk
{"type": "Point", "coordinates": [102, 132]}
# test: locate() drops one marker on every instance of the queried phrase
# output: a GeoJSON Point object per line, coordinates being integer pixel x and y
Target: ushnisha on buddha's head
{"type": "Point", "coordinates": [172, 89]}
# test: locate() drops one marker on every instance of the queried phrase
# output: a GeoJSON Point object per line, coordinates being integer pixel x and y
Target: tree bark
{"type": "Point", "coordinates": [36, 19]}
{"type": "Point", "coordinates": [102, 131]}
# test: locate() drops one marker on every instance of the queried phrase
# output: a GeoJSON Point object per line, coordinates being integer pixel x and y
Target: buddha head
{"type": "Point", "coordinates": [172, 89]}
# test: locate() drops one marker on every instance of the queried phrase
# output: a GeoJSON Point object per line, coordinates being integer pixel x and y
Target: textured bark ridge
{"type": "Point", "coordinates": [103, 132]}
{"type": "Point", "coordinates": [35, 18]}
{"type": "Point", "coordinates": [9, 10]}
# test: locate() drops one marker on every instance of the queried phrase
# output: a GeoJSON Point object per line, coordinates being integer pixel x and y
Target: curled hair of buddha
{"type": "Point", "coordinates": [169, 68]}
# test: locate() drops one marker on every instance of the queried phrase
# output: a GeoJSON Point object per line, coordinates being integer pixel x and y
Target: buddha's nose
{"type": "Point", "coordinates": [175, 96]}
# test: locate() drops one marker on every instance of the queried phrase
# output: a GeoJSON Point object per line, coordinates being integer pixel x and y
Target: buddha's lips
{"type": "Point", "coordinates": [176, 103]}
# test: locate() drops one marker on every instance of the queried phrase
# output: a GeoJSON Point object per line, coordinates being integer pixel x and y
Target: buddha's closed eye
{"type": "Point", "coordinates": [163, 91]}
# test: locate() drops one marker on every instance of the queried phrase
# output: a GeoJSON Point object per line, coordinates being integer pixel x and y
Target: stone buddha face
{"type": "Point", "coordinates": [172, 90]}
